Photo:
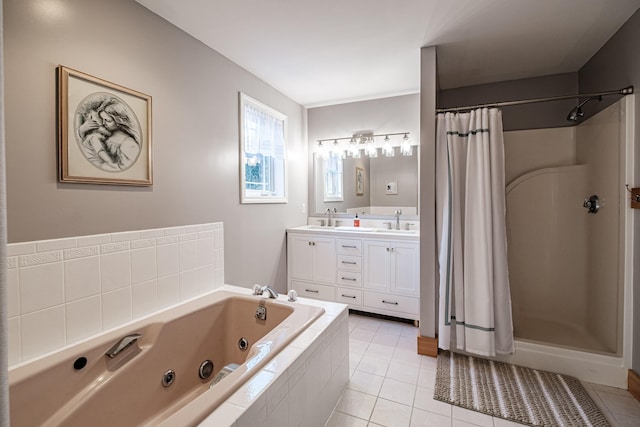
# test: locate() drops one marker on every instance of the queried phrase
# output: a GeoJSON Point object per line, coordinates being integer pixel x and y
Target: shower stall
{"type": "Point", "coordinates": [569, 228]}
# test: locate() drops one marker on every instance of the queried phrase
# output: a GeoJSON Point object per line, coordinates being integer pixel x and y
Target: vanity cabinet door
{"type": "Point", "coordinates": [405, 268]}
{"type": "Point", "coordinates": [324, 260]}
{"type": "Point", "coordinates": [377, 267]}
{"type": "Point", "coordinates": [312, 258]}
{"type": "Point", "coordinates": [300, 257]}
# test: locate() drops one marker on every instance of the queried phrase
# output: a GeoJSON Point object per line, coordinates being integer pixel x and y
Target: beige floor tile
{"type": "Point", "coordinates": [621, 404]}
{"type": "Point", "coordinates": [403, 372]}
{"type": "Point", "coordinates": [385, 339]}
{"type": "Point", "coordinates": [380, 351]}
{"type": "Point", "coordinates": [362, 334]}
{"type": "Point", "coordinates": [373, 365]}
{"type": "Point", "coordinates": [397, 391]}
{"type": "Point", "coordinates": [424, 400]}
{"type": "Point", "coordinates": [338, 419]}
{"type": "Point", "coordinates": [391, 414]}
{"type": "Point", "coordinates": [420, 418]}
{"type": "Point", "coordinates": [407, 357]}
{"type": "Point", "coordinates": [366, 382]}
{"type": "Point", "coordinates": [356, 403]}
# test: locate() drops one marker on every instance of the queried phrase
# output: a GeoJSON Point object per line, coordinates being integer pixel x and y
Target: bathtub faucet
{"type": "Point", "coordinates": [260, 290]}
{"type": "Point", "coordinates": [121, 345]}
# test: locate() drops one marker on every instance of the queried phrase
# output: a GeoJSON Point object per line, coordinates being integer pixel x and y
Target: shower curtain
{"type": "Point", "coordinates": [475, 301]}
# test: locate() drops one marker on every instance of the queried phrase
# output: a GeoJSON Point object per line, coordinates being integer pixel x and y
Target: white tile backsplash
{"type": "Point", "coordinates": [41, 286]}
{"type": "Point", "coordinates": [115, 271]}
{"type": "Point", "coordinates": [143, 265]}
{"type": "Point", "coordinates": [83, 318]}
{"type": "Point", "coordinates": [42, 331]}
{"type": "Point", "coordinates": [81, 278]}
{"type": "Point", "coordinates": [64, 290]}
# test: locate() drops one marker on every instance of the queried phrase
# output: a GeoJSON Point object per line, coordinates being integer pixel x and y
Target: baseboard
{"type": "Point", "coordinates": [633, 384]}
{"type": "Point", "coordinates": [428, 346]}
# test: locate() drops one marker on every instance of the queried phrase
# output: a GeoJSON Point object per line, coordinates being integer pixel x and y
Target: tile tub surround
{"type": "Point", "coordinates": [63, 291]}
{"type": "Point", "coordinates": [302, 384]}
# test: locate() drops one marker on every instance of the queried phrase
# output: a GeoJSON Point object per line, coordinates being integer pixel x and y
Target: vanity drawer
{"type": "Point", "coordinates": [349, 296]}
{"type": "Point", "coordinates": [391, 302]}
{"type": "Point", "coordinates": [350, 262]}
{"type": "Point", "coordinates": [313, 290]}
{"type": "Point", "coordinates": [349, 247]}
{"type": "Point", "coordinates": [349, 278]}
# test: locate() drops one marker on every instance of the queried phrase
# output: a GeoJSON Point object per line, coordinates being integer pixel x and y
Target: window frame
{"type": "Point", "coordinates": [334, 174]}
{"type": "Point", "coordinates": [248, 196]}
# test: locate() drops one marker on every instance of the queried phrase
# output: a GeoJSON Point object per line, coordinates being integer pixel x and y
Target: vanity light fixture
{"type": "Point", "coordinates": [357, 143]}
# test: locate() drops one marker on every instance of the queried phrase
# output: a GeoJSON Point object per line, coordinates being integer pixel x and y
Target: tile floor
{"type": "Point", "coordinates": [391, 385]}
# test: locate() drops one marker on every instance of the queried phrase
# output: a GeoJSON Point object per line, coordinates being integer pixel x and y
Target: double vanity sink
{"type": "Point", "coordinates": [352, 229]}
{"type": "Point", "coordinates": [371, 269]}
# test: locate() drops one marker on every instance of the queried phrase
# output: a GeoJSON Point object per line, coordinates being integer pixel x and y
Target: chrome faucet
{"type": "Point", "coordinates": [121, 345]}
{"type": "Point", "coordinates": [397, 213]}
{"type": "Point", "coordinates": [260, 290]}
{"type": "Point", "coordinates": [329, 224]}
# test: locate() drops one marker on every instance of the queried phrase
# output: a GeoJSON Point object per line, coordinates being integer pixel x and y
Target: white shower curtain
{"type": "Point", "coordinates": [475, 301]}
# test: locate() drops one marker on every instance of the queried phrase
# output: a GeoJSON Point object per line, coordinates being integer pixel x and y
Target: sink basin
{"type": "Point", "coordinates": [319, 227]}
{"type": "Point", "coordinates": [349, 228]}
{"type": "Point", "coordinates": [384, 230]}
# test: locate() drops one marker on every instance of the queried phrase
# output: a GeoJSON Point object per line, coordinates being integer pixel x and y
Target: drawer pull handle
{"type": "Point", "coordinates": [348, 296]}
{"type": "Point", "coordinates": [349, 262]}
{"type": "Point", "coordinates": [349, 247]}
{"type": "Point", "coordinates": [312, 290]}
{"type": "Point", "coordinates": [389, 302]}
{"type": "Point", "coordinates": [348, 278]}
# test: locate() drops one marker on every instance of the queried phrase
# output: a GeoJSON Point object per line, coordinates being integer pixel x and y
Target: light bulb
{"type": "Point", "coordinates": [406, 149]}
{"type": "Point", "coordinates": [387, 149]}
{"type": "Point", "coordinates": [371, 149]}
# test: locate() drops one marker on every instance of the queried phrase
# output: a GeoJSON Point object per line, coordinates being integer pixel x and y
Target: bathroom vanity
{"type": "Point", "coordinates": [372, 270]}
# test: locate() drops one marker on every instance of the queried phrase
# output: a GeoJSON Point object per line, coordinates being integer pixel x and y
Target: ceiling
{"type": "Point", "coordinates": [335, 51]}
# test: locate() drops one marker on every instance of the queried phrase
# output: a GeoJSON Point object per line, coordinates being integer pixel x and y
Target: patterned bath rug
{"type": "Point", "coordinates": [523, 395]}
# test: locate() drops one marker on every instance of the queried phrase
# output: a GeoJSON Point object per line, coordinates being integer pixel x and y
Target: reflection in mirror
{"type": "Point", "coordinates": [388, 183]}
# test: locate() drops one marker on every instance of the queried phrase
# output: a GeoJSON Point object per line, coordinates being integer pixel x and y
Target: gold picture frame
{"type": "Point", "coordinates": [104, 131]}
{"type": "Point", "coordinates": [359, 181]}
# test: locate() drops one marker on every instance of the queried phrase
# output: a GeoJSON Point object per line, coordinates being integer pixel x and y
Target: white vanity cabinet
{"type": "Point", "coordinates": [312, 258]}
{"type": "Point", "coordinates": [311, 265]}
{"type": "Point", "coordinates": [391, 277]}
{"type": "Point", "coordinates": [369, 271]}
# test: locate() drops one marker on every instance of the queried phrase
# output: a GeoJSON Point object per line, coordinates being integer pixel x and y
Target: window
{"type": "Point", "coordinates": [263, 160]}
{"type": "Point", "coordinates": [332, 171]}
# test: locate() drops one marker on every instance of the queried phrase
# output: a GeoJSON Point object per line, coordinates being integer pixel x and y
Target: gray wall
{"type": "Point", "coordinates": [529, 116]}
{"type": "Point", "coordinates": [428, 275]}
{"type": "Point", "coordinates": [615, 65]}
{"type": "Point", "coordinates": [195, 133]}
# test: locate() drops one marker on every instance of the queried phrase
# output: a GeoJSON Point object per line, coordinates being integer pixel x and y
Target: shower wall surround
{"type": "Point", "coordinates": [65, 290]}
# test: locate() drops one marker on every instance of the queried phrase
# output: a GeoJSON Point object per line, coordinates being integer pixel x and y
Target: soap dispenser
{"type": "Point", "coordinates": [356, 221]}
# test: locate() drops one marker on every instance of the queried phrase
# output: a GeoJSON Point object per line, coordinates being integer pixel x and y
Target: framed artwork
{"type": "Point", "coordinates": [104, 131]}
{"type": "Point", "coordinates": [359, 181]}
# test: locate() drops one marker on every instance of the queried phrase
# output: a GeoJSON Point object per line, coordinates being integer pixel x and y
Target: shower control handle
{"type": "Point", "coordinates": [592, 204]}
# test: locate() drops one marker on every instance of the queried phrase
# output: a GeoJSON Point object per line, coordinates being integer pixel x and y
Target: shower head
{"type": "Point", "coordinates": [577, 113]}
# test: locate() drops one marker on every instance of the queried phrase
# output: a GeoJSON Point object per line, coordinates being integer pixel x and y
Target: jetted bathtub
{"type": "Point", "coordinates": [82, 386]}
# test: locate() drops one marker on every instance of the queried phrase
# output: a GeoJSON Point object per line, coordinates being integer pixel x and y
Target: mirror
{"type": "Point", "coordinates": [370, 186]}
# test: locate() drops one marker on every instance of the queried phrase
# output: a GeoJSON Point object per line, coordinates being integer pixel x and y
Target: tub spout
{"type": "Point", "coordinates": [261, 290]}
{"type": "Point", "coordinates": [121, 345]}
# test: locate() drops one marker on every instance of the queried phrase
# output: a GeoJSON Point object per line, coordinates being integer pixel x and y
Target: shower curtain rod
{"type": "Point", "coordinates": [624, 91]}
